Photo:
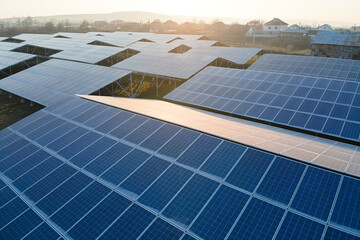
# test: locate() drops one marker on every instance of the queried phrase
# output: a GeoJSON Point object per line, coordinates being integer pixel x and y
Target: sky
{"type": "Point", "coordinates": [319, 11]}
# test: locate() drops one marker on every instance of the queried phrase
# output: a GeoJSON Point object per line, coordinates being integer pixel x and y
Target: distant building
{"type": "Point", "coordinates": [336, 45]}
{"type": "Point", "coordinates": [311, 32]}
{"type": "Point", "coordinates": [355, 29]}
{"type": "Point", "coordinates": [293, 31]}
{"type": "Point", "coordinates": [325, 27]}
{"type": "Point", "coordinates": [275, 27]}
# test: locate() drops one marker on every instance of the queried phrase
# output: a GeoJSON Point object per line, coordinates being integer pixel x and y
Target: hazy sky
{"type": "Point", "coordinates": [347, 11]}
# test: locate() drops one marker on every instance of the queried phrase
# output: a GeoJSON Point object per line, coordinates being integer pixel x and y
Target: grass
{"type": "Point", "coordinates": [11, 110]}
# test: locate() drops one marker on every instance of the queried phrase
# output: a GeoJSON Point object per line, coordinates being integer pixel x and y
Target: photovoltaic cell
{"type": "Point", "coordinates": [313, 197]}
{"type": "Point", "coordinates": [220, 213]}
{"type": "Point", "coordinates": [130, 225]}
{"type": "Point", "coordinates": [347, 204]}
{"type": "Point", "coordinates": [298, 227]}
{"type": "Point", "coordinates": [184, 207]}
{"type": "Point", "coordinates": [145, 175]}
{"type": "Point", "coordinates": [334, 234]}
{"type": "Point", "coordinates": [301, 102]}
{"type": "Point", "coordinates": [258, 221]}
{"type": "Point", "coordinates": [345, 69]}
{"type": "Point", "coordinates": [184, 186]}
{"type": "Point", "coordinates": [96, 221]}
{"type": "Point", "coordinates": [281, 180]}
{"type": "Point", "coordinates": [162, 230]}
{"type": "Point", "coordinates": [197, 153]}
{"type": "Point", "coordinates": [249, 169]}
{"type": "Point", "coordinates": [161, 192]}
{"type": "Point", "coordinates": [43, 232]}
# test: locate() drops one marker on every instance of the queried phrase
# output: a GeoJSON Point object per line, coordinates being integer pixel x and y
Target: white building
{"type": "Point", "coordinates": [275, 27]}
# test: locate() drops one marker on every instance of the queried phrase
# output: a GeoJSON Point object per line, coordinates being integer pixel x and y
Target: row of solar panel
{"type": "Point", "coordinates": [310, 66]}
{"type": "Point", "coordinates": [328, 106]}
{"type": "Point", "coordinates": [227, 202]}
{"type": "Point", "coordinates": [157, 181]}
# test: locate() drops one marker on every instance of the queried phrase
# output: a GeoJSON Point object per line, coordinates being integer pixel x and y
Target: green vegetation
{"type": "Point", "coordinates": [11, 110]}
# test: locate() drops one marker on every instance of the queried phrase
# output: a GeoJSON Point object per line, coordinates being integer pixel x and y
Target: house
{"type": "Point", "coordinates": [311, 32]}
{"type": "Point", "coordinates": [336, 44]}
{"type": "Point", "coordinates": [325, 27]}
{"type": "Point", "coordinates": [293, 31]}
{"type": "Point", "coordinates": [275, 27]}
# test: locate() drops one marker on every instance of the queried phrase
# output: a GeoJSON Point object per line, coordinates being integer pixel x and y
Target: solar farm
{"type": "Point", "coordinates": [244, 145]}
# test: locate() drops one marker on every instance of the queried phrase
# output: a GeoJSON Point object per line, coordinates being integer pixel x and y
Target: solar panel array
{"type": "Point", "coordinates": [8, 59]}
{"type": "Point", "coordinates": [336, 68]}
{"type": "Point", "coordinates": [170, 65]}
{"type": "Point", "coordinates": [53, 80]}
{"type": "Point", "coordinates": [320, 105]}
{"type": "Point", "coordinates": [233, 54]}
{"type": "Point", "coordinates": [66, 171]}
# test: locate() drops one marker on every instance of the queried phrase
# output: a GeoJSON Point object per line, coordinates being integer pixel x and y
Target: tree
{"type": "Point", "coordinates": [84, 26]}
{"type": "Point", "coordinates": [49, 27]}
{"type": "Point", "coordinates": [170, 25]}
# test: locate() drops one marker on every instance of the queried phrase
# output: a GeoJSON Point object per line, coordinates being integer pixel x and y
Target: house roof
{"type": "Point", "coordinates": [276, 21]}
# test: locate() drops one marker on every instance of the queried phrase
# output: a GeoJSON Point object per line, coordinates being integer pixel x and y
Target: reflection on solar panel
{"type": "Point", "coordinates": [336, 68]}
{"type": "Point", "coordinates": [233, 54]}
{"type": "Point", "coordinates": [53, 80]}
{"type": "Point", "coordinates": [320, 105]}
{"type": "Point", "coordinates": [174, 65]}
{"type": "Point", "coordinates": [65, 172]}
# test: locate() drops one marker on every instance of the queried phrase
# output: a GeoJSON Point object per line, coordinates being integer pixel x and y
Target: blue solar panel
{"type": "Point", "coordinates": [281, 180]}
{"type": "Point", "coordinates": [145, 130]}
{"type": "Point", "coordinates": [347, 205]}
{"type": "Point", "coordinates": [43, 232]}
{"type": "Point", "coordinates": [128, 126]}
{"type": "Point", "coordinates": [107, 159]}
{"type": "Point", "coordinates": [223, 159]}
{"type": "Point", "coordinates": [17, 157]}
{"type": "Point", "coordinates": [92, 152]}
{"type": "Point", "coordinates": [11, 210]}
{"type": "Point", "coordinates": [64, 193]}
{"type": "Point", "coordinates": [249, 169]}
{"type": "Point", "coordinates": [130, 225]}
{"type": "Point", "coordinates": [161, 192]}
{"type": "Point", "coordinates": [186, 205]}
{"type": "Point", "coordinates": [145, 175]}
{"type": "Point", "coordinates": [35, 174]}
{"type": "Point", "coordinates": [123, 168]}
{"type": "Point", "coordinates": [301, 102]}
{"type": "Point", "coordinates": [298, 228]}
{"type": "Point", "coordinates": [27, 164]}
{"type": "Point", "coordinates": [309, 66]}
{"type": "Point", "coordinates": [220, 213]}
{"type": "Point", "coordinates": [80, 205]}
{"type": "Point", "coordinates": [179, 143]}
{"type": "Point", "coordinates": [313, 197]}
{"type": "Point", "coordinates": [21, 226]}
{"type": "Point", "coordinates": [162, 230]}
{"type": "Point", "coordinates": [259, 221]}
{"type": "Point", "coordinates": [334, 234]}
{"type": "Point", "coordinates": [197, 153]}
{"type": "Point", "coordinates": [195, 185]}
{"type": "Point", "coordinates": [160, 137]}
{"type": "Point", "coordinates": [99, 218]}
{"type": "Point", "coordinates": [47, 184]}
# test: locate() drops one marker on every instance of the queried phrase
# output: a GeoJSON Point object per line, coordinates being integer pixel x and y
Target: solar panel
{"type": "Point", "coordinates": [320, 105]}
{"type": "Point", "coordinates": [84, 183]}
{"type": "Point", "coordinates": [54, 80]}
{"type": "Point", "coordinates": [174, 65]}
{"type": "Point", "coordinates": [336, 68]}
